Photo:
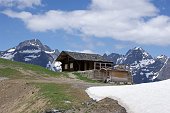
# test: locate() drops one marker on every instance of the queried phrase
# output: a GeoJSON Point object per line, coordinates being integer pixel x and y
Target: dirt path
{"type": "Point", "coordinates": [74, 82]}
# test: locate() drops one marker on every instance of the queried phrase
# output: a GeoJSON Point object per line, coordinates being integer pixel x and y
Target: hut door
{"type": "Point", "coordinates": [82, 66]}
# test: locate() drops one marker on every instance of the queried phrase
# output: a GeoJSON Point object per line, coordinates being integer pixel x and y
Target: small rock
{"type": "Point", "coordinates": [54, 111]}
{"type": "Point", "coordinates": [68, 102]}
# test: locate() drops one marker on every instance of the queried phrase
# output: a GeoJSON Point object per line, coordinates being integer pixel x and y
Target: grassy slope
{"type": "Point", "coordinates": [59, 95]}
{"type": "Point", "coordinates": [11, 69]}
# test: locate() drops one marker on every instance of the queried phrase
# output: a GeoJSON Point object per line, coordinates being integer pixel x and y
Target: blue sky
{"type": "Point", "coordinates": [99, 26]}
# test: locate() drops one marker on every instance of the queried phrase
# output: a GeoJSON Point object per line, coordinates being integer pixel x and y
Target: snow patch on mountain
{"type": "Point", "coordinates": [11, 50]}
{"type": "Point", "coordinates": [30, 57]}
{"type": "Point", "coordinates": [55, 66]}
{"type": "Point", "coordinates": [50, 52]}
{"type": "Point", "coordinates": [27, 59]}
{"type": "Point", "coordinates": [8, 56]}
{"type": "Point", "coordinates": [30, 51]}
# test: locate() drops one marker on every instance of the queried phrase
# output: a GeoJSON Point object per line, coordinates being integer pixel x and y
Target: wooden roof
{"type": "Point", "coordinates": [83, 56]}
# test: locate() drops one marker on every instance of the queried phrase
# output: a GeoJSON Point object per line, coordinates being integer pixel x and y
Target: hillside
{"type": "Point", "coordinates": [27, 88]}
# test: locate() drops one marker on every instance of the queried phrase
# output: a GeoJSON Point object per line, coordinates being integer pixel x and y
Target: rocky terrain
{"type": "Point", "coordinates": [164, 72]}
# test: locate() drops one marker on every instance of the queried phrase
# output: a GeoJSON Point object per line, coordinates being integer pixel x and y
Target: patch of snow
{"type": "Point", "coordinates": [148, 74]}
{"type": "Point", "coordinates": [55, 66]}
{"type": "Point", "coordinates": [141, 73]}
{"type": "Point", "coordinates": [8, 56]}
{"type": "Point", "coordinates": [50, 52]}
{"type": "Point", "coordinates": [161, 57]}
{"type": "Point", "coordinates": [137, 48]}
{"type": "Point", "coordinates": [30, 51]}
{"type": "Point", "coordinates": [142, 98]}
{"type": "Point", "coordinates": [119, 60]}
{"type": "Point", "coordinates": [156, 75]}
{"type": "Point", "coordinates": [145, 54]}
{"type": "Point", "coordinates": [34, 44]}
{"type": "Point", "coordinates": [11, 50]}
{"type": "Point", "coordinates": [27, 59]}
{"type": "Point", "coordinates": [146, 62]}
{"type": "Point", "coordinates": [145, 70]}
{"type": "Point", "coordinates": [32, 56]}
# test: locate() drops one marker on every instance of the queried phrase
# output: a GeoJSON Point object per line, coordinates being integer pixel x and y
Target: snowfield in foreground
{"type": "Point", "coordinates": [141, 98]}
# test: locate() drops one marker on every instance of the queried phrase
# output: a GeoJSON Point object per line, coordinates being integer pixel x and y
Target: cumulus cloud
{"type": "Point", "coordinates": [20, 3]}
{"type": "Point", "coordinates": [126, 20]}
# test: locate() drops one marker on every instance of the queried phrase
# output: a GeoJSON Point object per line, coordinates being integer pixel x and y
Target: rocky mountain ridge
{"type": "Point", "coordinates": [32, 52]}
{"type": "Point", "coordinates": [144, 67]}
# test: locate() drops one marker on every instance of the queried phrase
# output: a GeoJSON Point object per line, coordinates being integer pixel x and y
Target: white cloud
{"type": "Point", "coordinates": [86, 51]}
{"type": "Point", "coordinates": [22, 15]}
{"type": "Point", "coordinates": [20, 3]}
{"type": "Point", "coordinates": [126, 20]}
{"type": "Point", "coordinates": [83, 51]}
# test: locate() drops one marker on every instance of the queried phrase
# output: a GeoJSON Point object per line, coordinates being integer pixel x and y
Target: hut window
{"type": "Point", "coordinates": [71, 65]}
{"type": "Point", "coordinates": [66, 66]}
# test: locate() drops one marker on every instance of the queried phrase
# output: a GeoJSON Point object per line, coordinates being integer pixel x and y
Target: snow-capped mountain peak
{"type": "Point", "coordinates": [138, 48]}
{"type": "Point", "coordinates": [144, 67]}
{"type": "Point", "coordinates": [34, 44]}
{"type": "Point", "coordinates": [31, 51]}
{"type": "Point", "coordinates": [135, 55]}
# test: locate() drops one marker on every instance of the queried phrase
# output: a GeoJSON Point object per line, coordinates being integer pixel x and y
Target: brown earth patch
{"type": "Point", "coordinates": [18, 96]}
{"type": "Point", "coordinates": [106, 105]}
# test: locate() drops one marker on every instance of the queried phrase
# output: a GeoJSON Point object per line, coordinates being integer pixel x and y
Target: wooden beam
{"type": "Point", "coordinates": [100, 65]}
